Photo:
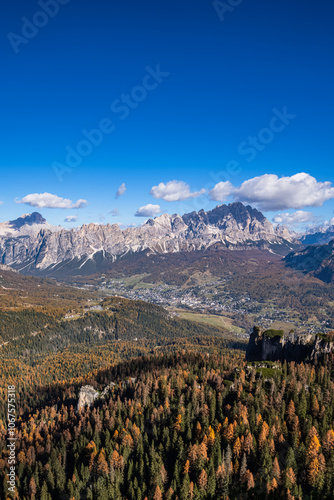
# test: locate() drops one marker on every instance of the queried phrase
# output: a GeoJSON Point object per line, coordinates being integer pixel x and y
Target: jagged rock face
{"type": "Point", "coordinates": [92, 246]}
{"type": "Point", "coordinates": [287, 347]}
{"type": "Point", "coordinates": [318, 260]}
{"type": "Point", "coordinates": [87, 396]}
{"type": "Point", "coordinates": [272, 349]}
{"type": "Point", "coordinates": [321, 348]}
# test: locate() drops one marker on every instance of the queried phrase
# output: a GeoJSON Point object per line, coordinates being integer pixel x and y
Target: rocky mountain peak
{"type": "Point", "coordinates": [27, 220]}
{"type": "Point", "coordinates": [25, 225]}
{"type": "Point", "coordinates": [95, 247]}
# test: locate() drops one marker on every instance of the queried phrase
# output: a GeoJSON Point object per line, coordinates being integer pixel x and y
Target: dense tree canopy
{"type": "Point", "coordinates": [185, 425]}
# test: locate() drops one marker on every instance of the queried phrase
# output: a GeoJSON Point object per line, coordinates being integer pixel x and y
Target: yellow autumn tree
{"type": "Point", "coordinates": [157, 494]}
{"type": "Point", "coordinates": [276, 471]}
{"type": "Point", "coordinates": [249, 480]}
{"type": "Point", "coordinates": [328, 441]}
{"type": "Point", "coordinates": [202, 480]}
{"type": "Point", "coordinates": [237, 448]}
{"type": "Point", "coordinates": [229, 432]}
{"type": "Point", "coordinates": [263, 434]}
{"type": "Point", "coordinates": [178, 422]}
{"type": "Point", "coordinates": [313, 471]}
{"type": "Point", "coordinates": [313, 448]}
{"type": "Point", "coordinates": [102, 465]}
{"type": "Point", "coordinates": [211, 436]}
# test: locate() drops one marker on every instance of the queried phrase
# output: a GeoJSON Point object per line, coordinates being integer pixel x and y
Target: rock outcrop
{"type": "Point", "coordinates": [87, 396]}
{"type": "Point", "coordinates": [92, 248]}
{"type": "Point", "coordinates": [274, 345]}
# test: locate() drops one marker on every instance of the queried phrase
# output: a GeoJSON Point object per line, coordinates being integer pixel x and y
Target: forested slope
{"type": "Point", "coordinates": [189, 426]}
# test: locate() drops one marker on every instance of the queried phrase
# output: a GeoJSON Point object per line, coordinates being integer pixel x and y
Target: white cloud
{"type": "Point", "coordinates": [121, 190]}
{"type": "Point", "coordinates": [114, 212]}
{"type": "Point", "coordinates": [71, 218]}
{"type": "Point", "coordinates": [48, 200]}
{"type": "Point", "coordinates": [174, 191]}
{"type": "Point", "coordinates": [329, 222]}
{"type": "Point", "coordinates": [221, 191]}
{"type": "Point", "coordinates": [269, 192]}
{"type": "Point", "coordinates": [148, 211]}
{"type": "Point", "coordinates": [299, 217]}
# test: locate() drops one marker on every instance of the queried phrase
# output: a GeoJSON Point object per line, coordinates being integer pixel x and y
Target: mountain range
{"type": "Point", "coordinates": [315, 259]}
{"type": "Point", "coordinates": [32, 246]}
{"type": "Point", "coordinates": [27, 224]}
{"type": "Point", "coordinates": [318, 235]}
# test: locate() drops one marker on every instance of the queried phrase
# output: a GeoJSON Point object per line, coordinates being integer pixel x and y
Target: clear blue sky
{"type": "Point", "coordinates": [225, 78]}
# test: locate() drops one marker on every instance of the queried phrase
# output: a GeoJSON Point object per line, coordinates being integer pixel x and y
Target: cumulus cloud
{"type": "Point", "coordinates": [48, 200]}
{"type": "Point", "coordinates": [174, 191]}
{"type": "Point", "coordinates": [148, 211]}
{"type": "Point", "coordinates": [71, 218]}
{"type": "Point", "coordinates": [299, 217]}
{"type": "Point", "coordinates": [330, 222]}
{"type": "Point", "coordinates": [221, 191]}
{"type": "Point", "coordinates": [269, 192]}
{"type": "Point", "coordinates": [114, 212]}
{"type": "Point", "coordinates": [121, 190]}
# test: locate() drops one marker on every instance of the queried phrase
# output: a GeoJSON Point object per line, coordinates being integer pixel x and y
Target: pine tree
{"type": "Point", "coordinates": [32, 487]}
{"type": "Point", "coordinates": [202, 480]}
{"type": "Point", "coordinates": [157, 494]}
{"type": "Point", "coordinates": [276, 472]}
{"type": "Point", "coordinates": [243, 468]}
{"type": "Point", "coordinates": [237, 448]}
{"type": "Point", "coordinates": [250, 480]}
{"type": "Point", "coordinates": [185, 487]}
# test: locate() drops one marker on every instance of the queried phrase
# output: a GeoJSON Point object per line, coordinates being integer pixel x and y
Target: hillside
{"type": "Point", "coordinates": [18, 291]}
{"type": "Point", "coordinates": [39, 347]}
{"type": "Point", "coordinates": [183, 425]}
{"type": "Point", "coordinates": [252, 286]}
{"type": "Point", "coordinates": [317, 260]}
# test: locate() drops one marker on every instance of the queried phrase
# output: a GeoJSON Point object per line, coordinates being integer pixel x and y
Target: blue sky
{"type": "Point", "coordinates": [199, 84]}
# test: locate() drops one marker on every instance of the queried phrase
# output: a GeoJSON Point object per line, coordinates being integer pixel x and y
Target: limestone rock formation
{"type": "Point", "coordinates": [274, 345]}
{"type": "Point", "coordinates": [87, 396]}
{"type": "Point", "coordinates": [93, 247]}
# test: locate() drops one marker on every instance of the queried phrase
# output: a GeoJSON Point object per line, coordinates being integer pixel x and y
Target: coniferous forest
{"type": "Point", "coordinates": [180, 413]}
{"type": "Point", "coordinates": [182, 425]}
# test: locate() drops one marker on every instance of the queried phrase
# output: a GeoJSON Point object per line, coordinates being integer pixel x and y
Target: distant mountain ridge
{"type": "Point", "coordinates": [315, 259]}
{"type": "Point", "coordinates": [93, 247]}
{"type": "Point", "coordinates": [318, 236]}
{"type": "Point", "coordinates": [25, 225]}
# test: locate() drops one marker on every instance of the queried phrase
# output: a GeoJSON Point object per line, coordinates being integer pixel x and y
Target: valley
{"type": "Point", "coordinates": [251, 287]}
{"type": "Point", "coordinates": [160, 338]}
